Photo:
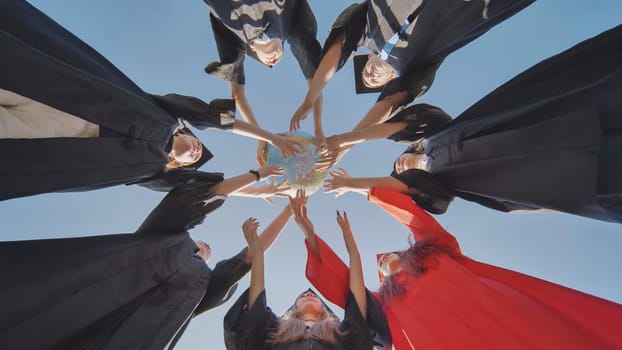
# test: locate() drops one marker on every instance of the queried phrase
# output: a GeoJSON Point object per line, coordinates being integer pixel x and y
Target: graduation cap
{"type": "Point", "coordinates": [292, 309]}
{"type": "Point", "coordinates": [359, 65]}
{"type": "Point", "coordinates": [206, 155]}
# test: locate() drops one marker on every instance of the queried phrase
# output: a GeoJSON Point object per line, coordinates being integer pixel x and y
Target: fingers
{"type": "Point", "coordinates": [268, 200]}
{"type": "Point", "coordinates": [271, 170]}
{"type": "Point", "coordinates": [249, 227]}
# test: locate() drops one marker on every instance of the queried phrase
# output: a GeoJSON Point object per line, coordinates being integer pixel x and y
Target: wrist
{"type": "Point", "coordinates": [256, 174]}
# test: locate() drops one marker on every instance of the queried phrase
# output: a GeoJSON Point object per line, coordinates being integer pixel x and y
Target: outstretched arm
{"type": "Point", "coordinates": [325, 270]}
{"type": "Point", "coordinates": [257, 284]}
{"type": "Point", "coordinates": [357, 284]}
{"type": "Point", "coordinates": [238, 93]}
{"type": "Point", "coordinates": [231, 185]}
{"type": "Point", "coordinates": [374, 132]}
{"type": "Point", "coordinates": [324, 72]}
{"type": "Point", "coordinates": [421, 224]}
{"type": "Point", "coordinates": [342, 183]}
{"type": "Point", "coordinates": [271, 232]}
{"type": "Point", "coordinates": [286, 146]}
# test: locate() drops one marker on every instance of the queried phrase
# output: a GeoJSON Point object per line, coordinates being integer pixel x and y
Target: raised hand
{"type": "Point", "coordinates": [287, 146]}
{"type": "Point", "coordinates": [249, 228]}
{"type": "Point", "coordinates": [348, 237]}
{"type": "Point", "coordinates": [205, 251]}
{"type": "Point", "coordinates": [298, 205]}
{"type": "Point", "coordinates": [270, 170]}
{"type": "Point", "coordinates": [339, 183]}
{"type": "Point", "coordinates": [301, 114]}
{"type": "Point", "coordinates": [272, 189]}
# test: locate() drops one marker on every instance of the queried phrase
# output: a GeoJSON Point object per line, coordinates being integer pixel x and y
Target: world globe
{"type": "Point", "coordinates": [300, 168]}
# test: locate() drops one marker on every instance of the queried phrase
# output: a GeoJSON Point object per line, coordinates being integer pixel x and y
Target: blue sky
{"type": "Point", "coordinates": [164, 45]}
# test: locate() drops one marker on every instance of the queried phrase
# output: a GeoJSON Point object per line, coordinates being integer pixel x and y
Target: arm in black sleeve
{"type": "Point", "coordinates": [245, 326]}
{"type": "Point", "coordinates": [231, 51]}
{"type": "Point", "coordinates": [219, 113]}
{"type": "Point", "coordinates": [415, 81]}
{"type": "Point", "coordinates": [182, 209]}
{"type": "Point", "coordinates": [302, 39]}
{"type": "Point", "coordinates": [423, 121]}
{"type": "Point", "coordinates": [357, 334]}
{"type": "Point", "coordinates": [166, 181]}
{"type": "Point", "coordinates": [430, 193]}
{"type": "Point", "coordinates": [223, 281]}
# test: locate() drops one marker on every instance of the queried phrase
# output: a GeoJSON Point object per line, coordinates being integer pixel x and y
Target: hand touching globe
{"type": "Point", "coordinates": [300, 168]}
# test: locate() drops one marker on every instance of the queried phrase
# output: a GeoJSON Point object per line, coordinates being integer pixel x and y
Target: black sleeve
{"type": "Point", "coordinates": [182, 209]}
{"type": "Point", "coordinates": [415, 81]}
{"type": "Point", "coordinates": [219, 113]}
{"type": "Point", "coordinates": [351, 23]}
{"type": "Point", "coordinates": [302, 39]}
{"type": "Point", "coordinates": [224, 281]}
{"type": "Point", "coordinates": [166, 181]}
{"type": "Point", "coordinates": [231, 51]}
{"type": "Point", "coordinates": [377, 322]}
{"type": "Point", "coordinates": [431, 194]}
{"type": "Point", "coordinates": [245, 327]}
{"type": "Point", "coordinates": [423, 121]}
{"type": "Point", "coordinates": [357, 334]}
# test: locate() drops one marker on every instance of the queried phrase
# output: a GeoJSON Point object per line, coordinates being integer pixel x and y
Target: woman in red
{"type": "Point", "coordinates": [436, 298]}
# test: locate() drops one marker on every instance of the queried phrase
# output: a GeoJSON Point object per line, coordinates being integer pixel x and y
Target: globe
{"type": "Point", "coordinates": [300, 168]}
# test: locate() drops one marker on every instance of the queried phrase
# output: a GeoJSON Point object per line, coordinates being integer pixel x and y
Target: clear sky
{"type": "Point", "coordinates": [163, 46]}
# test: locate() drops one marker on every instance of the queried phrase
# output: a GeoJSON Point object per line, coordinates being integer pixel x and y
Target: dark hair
{"type": "Point", "coordinates": [417, 147]}
{"type": "Point", "coordinates": [414, 261]}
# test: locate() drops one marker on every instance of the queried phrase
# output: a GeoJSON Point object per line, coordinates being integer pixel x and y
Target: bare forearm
{"type": "Point", "coordinates": [374, 132]}
{"type": "Point", "coordinates": [317, 113]}
{"type": "Point", "coordinates": [242, 104]}
{"type": "Point", "coordinates": [257, 284]}
{"type": "Point", "coordinates": [365, 183]}
{"type": "Point", "coordinates": [380, 111]}
{"type": "Point", "coordinates": [243, 128]}
{"type": "Point", "coordinates": [270, 233]}
{"type": "Point", "coordinates": [325, 71]}
{"type": "Point", "coordinates": [357, 283]}
{"type": "Point", "coordinates": [233, 184]}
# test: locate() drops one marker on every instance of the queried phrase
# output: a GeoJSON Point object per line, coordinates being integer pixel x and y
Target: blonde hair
{"type": "Point", "coordinates": [293, 329]}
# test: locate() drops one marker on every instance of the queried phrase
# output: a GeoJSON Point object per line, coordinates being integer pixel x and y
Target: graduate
{"type": "Point", "coordinates": [308, 323]}
{"type": "Point", "coordinates": [123, 291]}
{"type": "Point", "coordinates": [434, 297]}
{"type": "Point", "coordinates": [549, 138]}
{"type": "Point", "coordinates": [259, 29]}
{"type": "Point", "coordinates": [409, 41]}
{"type": "Point", "coordinates": [71, 121]}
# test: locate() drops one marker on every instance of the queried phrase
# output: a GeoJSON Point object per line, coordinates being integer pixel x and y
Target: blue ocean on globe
{"type": "Point", "coordinates": [300, 168]}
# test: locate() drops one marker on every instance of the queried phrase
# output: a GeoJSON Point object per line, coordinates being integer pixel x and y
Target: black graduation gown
{"type": "Point", "coordinates": [247, 328]}
{"type": "Point", "coordinates": [121, 291]}
{"type": "Point", "coordinates": [236, 23]}
{"type": "Point", "coordinates": [44, 62]}
{"type": "Point", "coordinates": [440, 28]}
{"type": "Point", "coordinates": [549, 138]}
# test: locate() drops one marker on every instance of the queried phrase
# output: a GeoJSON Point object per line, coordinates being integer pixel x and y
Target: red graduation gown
{"type": "Point", "coordinates": [460, 303]}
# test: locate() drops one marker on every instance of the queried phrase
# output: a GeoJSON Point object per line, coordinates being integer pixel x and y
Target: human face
{"type": "Point", "coordinates": [406, 161]}
{"type": "Point", "coordinates": [269, 52]}
{"type": "Point", "coordinates": [309, 306]}
{"type": "Point", "coordinates": [377, 72]}
{"type": "Point", "coordinates": [186, 149]}
{"type": "Point", "coordinates": [389, 264]}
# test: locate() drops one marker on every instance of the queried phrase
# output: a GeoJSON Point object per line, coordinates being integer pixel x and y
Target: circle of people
{"type": "Point", "coordinates": [549, 138]}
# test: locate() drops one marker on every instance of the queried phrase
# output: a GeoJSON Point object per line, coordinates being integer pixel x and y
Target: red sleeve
{"type": "Point", "coordinates": [329, 275]}
{"type": "Point", "coordinates": [404, 210]}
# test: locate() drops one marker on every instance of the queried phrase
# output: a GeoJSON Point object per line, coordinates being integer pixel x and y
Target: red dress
{"type": "Point", "coordinates": [460, 303]}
